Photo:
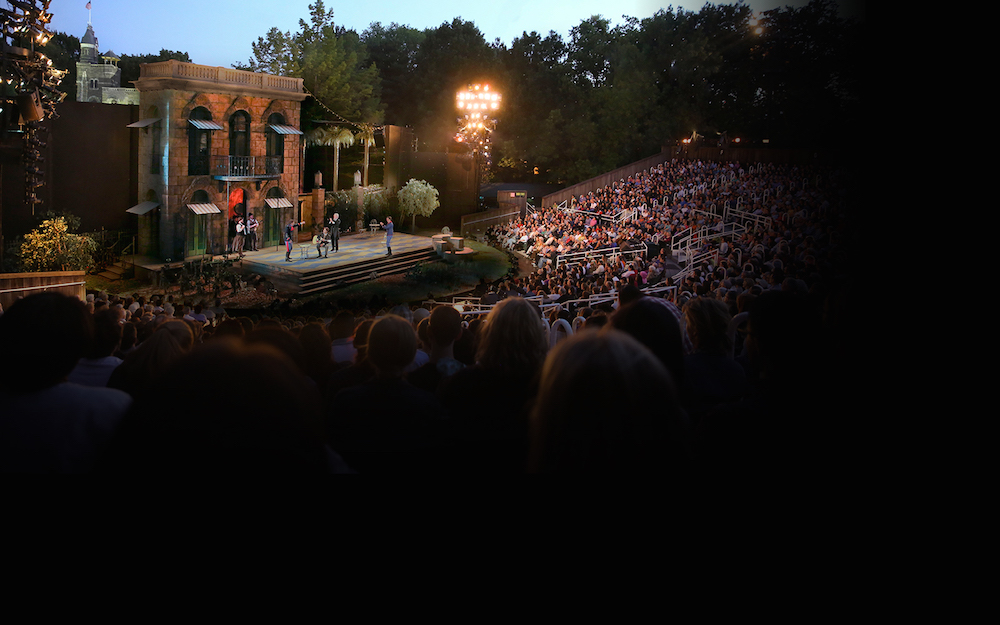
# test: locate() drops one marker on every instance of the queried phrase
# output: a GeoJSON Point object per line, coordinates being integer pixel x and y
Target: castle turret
{"type": "Point", "coordinates": [88, 46]}
{"type": "Point", "coordinates": [98, 78]}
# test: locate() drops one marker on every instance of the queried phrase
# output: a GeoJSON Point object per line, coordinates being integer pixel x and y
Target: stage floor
{"type": "Point", "coordinates": [353, 249]}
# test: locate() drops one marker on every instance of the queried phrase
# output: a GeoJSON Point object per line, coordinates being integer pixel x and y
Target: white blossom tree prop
{"type": "Point", "coordinates": [417, 198]}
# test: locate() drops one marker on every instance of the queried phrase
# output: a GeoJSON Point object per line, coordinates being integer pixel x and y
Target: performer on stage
{"type": "Point", "coordinates": [238, 242]}
{"type": "Point", "coordinates": [252, 225]}
{"type": "Point", "coordinates": [335, 232]}
{"type": "Point", "coordinates": [288, 237]}
{"type": "Point", "coordinates": [388, 234]}
{"type": "Point", "coordinates": [323, 244]}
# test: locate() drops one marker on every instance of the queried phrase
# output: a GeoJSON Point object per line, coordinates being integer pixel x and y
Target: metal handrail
{"type": "Point", "coordinates": [41, 287]}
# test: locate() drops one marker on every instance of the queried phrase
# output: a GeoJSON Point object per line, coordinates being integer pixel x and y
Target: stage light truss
{"type": "Point", "coordinates": [28, 79]}
{"type": "Point", "coordinates": [478, 106]}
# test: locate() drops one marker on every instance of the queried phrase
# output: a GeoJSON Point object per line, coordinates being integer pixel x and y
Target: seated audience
{"type": "Point", "coordinates": [276, 430]}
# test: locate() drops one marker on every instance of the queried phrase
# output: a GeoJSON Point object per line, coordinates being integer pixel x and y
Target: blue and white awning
{"type": "Point", "coordinates": [204, 209]}
{"type": "Point", "coordinates": [285, 130]}
{"type": "Point", "coordinates": [205, 124]}
{"type": "Point", "coordinates": [277, 202]}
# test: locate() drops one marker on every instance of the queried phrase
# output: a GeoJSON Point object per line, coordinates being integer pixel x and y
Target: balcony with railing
{"type": "Point", "coordinates": [246, 167]}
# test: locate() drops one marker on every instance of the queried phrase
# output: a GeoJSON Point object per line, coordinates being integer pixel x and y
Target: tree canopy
{"type": "Point", "coordinates": [332, 62]}
{"type": "Point", "coordinates": [52, 247]}
{"type": "Point", "coordinates": [417, 197]}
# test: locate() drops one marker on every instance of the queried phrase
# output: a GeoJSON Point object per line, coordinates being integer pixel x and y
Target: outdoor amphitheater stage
{"type": "Point", "coordinates": [360, 257]}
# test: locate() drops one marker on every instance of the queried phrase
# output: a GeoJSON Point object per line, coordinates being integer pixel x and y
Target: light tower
{"type": "Point", "coordinates": [478, 106]}
{"type": "Point", "coordinates": [29, 80]}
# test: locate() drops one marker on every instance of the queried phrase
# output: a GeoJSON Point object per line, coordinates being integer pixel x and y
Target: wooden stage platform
{"type": "Point", "coordinates": [361, 257]}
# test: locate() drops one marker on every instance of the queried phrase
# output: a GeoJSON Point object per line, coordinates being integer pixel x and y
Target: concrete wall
{"type": "Point", "coordinates": [92, 156]}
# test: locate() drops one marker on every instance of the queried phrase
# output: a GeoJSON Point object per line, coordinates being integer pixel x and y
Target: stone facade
{"type": "Point", "coordinates": [172, 94]}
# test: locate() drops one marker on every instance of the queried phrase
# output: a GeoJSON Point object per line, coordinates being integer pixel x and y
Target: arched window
{"type": "Point", "coordinates": [239, 144]}
{"type": "Point", "coordinates": [275, 145]}
{"type": "Point", "coordinates": [199, 142]}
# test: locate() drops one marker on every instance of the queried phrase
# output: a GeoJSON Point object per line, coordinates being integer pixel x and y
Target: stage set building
{"type": "Point", "coordinates": [215, 144]}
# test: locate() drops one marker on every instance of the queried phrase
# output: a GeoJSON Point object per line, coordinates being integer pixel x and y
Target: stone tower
{"type": "Point", "coordinates": [98, 78]}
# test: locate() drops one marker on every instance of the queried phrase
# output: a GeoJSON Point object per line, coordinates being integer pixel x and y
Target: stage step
{"type": "Point", "coordinates": [113, 272]}
{"type": "Point", "coordinates": [336, 277]}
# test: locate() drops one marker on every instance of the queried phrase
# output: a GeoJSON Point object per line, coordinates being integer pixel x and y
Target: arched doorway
{"type": "Point", "coordinates": [237, 208]}
{"type": "Point", "coordinates": [276, 205]}
{"type": "Point", "coordinates": [197, 225]}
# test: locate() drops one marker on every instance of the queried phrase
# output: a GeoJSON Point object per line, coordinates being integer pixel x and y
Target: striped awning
{"type": "Point", "coordinates": [277, 202]}
{"type": "Point", "coordinates": [142, 208]}
{"type": "Point", "coordinates": [204, 209]}
{"type": "Point", "coordinates": [204, 124]}
{"type": "Point", "coordinates": [142, 123]}
{"type": "Point", "coordinates": [285, 130]}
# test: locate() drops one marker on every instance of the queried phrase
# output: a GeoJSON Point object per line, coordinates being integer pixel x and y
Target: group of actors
{"type": "Point", "coordinates": [246, 234]}
{"type": "Point", "coordinates": [329, 239]}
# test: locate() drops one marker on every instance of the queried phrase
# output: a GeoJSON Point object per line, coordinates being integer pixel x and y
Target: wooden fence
{"type": "Point", "coordinates": [14, 286]}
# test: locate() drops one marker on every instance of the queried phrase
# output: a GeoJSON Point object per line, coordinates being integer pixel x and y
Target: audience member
{"type": "Point", "coordinates": [444, 327]}
{"type": "Point", "coordinates": [98, 362]}
{"type": "Point", "coordinates": [386, 425]}
{"type": "Point", "coordinates": [168, 342]}
{"type": "Point", "coordinates": [595, 412]}
{"type": "Point", "coordinates": [488, 403]}
{"type": "Point", "coordinates": [341, 331]}
{"type": "Point", "coordinates": [711, 376]}
{"type": "Point", "coordinates": [48, 425]}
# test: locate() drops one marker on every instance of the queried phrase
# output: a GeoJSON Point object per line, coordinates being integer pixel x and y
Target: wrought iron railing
{"type": "Point", "coordinates": [247, 166]}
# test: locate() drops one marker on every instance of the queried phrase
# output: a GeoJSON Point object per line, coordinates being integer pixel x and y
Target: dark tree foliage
{"type": "Point", "coordinates": [451, 57]}
{"type": "Point", "coordinates": [393, 50]}
{"type": "Point", "coordinates": [64, 52]}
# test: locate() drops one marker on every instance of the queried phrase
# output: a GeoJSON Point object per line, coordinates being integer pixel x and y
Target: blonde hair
{"type": "Point", "coordinates": [512, 339]}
